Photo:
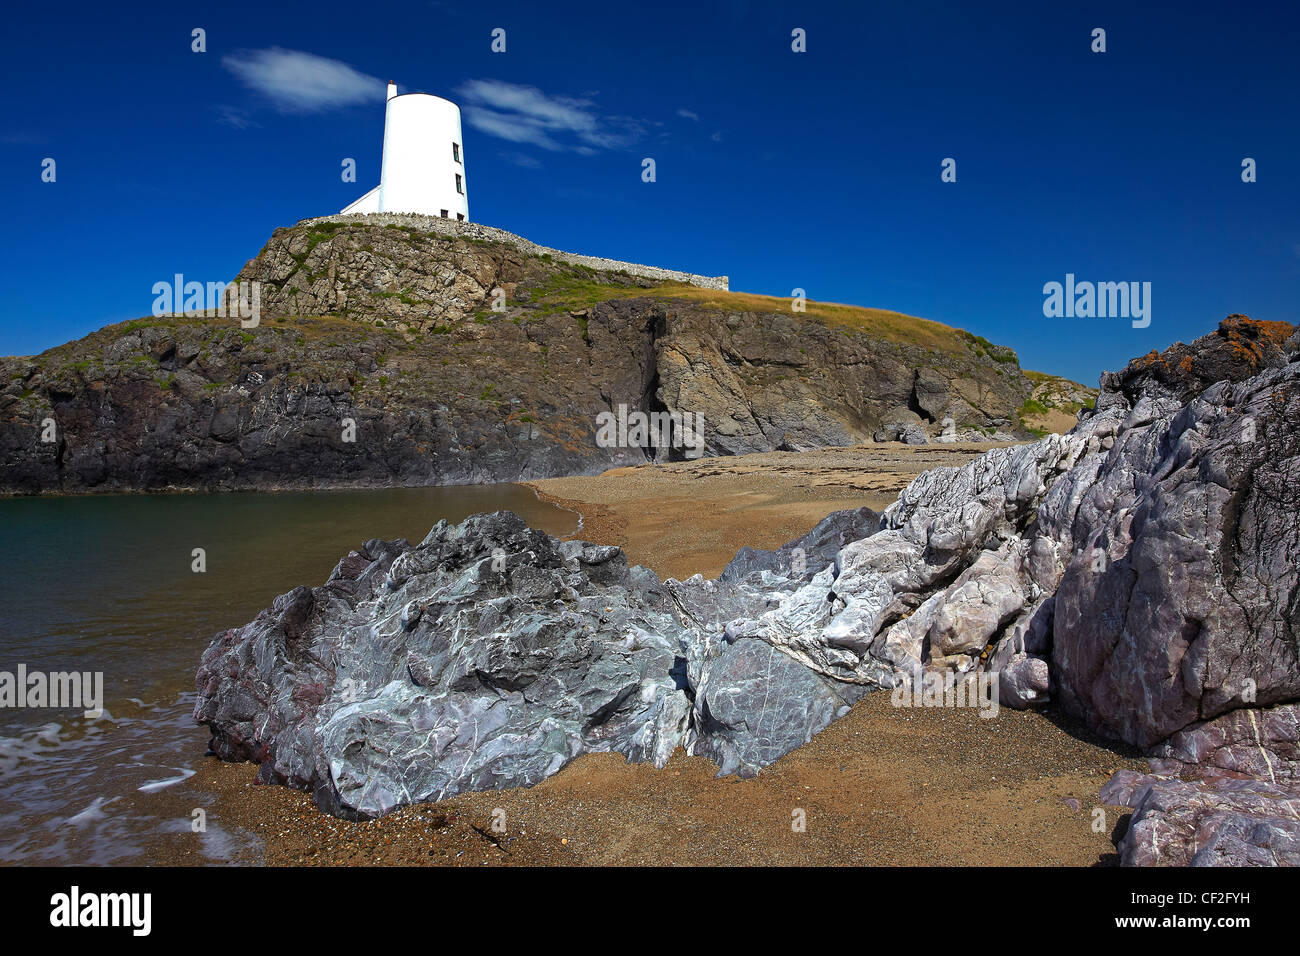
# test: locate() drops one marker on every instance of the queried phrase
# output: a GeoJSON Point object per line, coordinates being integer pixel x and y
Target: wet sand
{"type": "Point", "coordinates": [882, 786]}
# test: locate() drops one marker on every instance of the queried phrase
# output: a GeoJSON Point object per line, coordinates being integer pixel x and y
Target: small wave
{"type": "Point", "coordinates": [93, 812]}
{"type": "Point", "coordinates": [153, 786]}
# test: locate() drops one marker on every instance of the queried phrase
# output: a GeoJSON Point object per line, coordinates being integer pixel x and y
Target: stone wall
{"type": "Point", "coordinates": [474, 230]}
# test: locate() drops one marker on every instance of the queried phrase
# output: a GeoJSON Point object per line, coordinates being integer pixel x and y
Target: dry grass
{"type": "Point", "coordinates": [894, 326]}
{"type": "Point", "coordinates": [579, 290]}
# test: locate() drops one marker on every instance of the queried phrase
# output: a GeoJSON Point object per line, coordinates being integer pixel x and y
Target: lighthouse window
{"type": "Point", "coordinates": [455, 151]}
{"type": "Point", "coordinates": [444, 214]}
{"type": "Point", "coordinates": [460, 217]}
{"type": "Point", "coordinates": [460, 187]}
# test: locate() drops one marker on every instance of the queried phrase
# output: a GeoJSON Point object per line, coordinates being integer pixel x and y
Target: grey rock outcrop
{"type": "Point", "coordinates": [914, 435]}
{"type": "Point", "coordinates": [1179, 604]}
{"type": "Point", "coordinates": [488, 656]}
{"type": "Point", "coordinates": [801, 558]}
{"type": "Point", "coordinates": [756, 704]}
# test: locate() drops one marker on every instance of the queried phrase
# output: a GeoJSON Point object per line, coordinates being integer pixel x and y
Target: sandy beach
{"type": "Point", "coordinates": [882, 786]}
{"type": "Point", "coordinates": [691, 517]}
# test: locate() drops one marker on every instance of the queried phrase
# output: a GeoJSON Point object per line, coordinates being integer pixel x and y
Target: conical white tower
{"type": "Point", "coordinates": [424, 159]}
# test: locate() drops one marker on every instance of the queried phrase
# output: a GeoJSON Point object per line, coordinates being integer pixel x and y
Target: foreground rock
{"type": "Point", "coordinates": [1219, 822]}
{"type": "Point", "coordinates": [1180, 601]}
{"type": "Point", "coordinates": [490, 655]}
{"type": "Point", "coordinates": [1141, 571]}
{"type": "Point", "coordinates": [1223, 792]}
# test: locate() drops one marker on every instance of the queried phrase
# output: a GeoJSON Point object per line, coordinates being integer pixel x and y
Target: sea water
{"type": "Point", "coordinates": [108, 585]}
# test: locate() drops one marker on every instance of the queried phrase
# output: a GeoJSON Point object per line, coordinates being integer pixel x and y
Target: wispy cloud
{"type": "Point", "coordinates": [234, 116]}
{"type": "Point", "coordinates": [687, 114]}
{"type": "Point", "coordinates": [521, 159]}
{"type": "Point", "coordinates": [525, 114]}
{"type": "Point", "coordinates": [298, 82]}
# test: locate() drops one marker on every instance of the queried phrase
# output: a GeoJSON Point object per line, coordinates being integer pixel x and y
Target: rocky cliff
{"type": "Point", "coordinates": [1141, 571]}
{"type": "Point", "coordinates": [383, 356]}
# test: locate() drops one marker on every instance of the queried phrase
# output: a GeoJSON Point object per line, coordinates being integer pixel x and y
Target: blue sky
{"type": "Point", "coordinates": [818, 170]}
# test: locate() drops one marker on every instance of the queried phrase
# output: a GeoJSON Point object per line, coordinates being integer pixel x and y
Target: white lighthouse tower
{"type": "Point", "coordinates": [424, 159]}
